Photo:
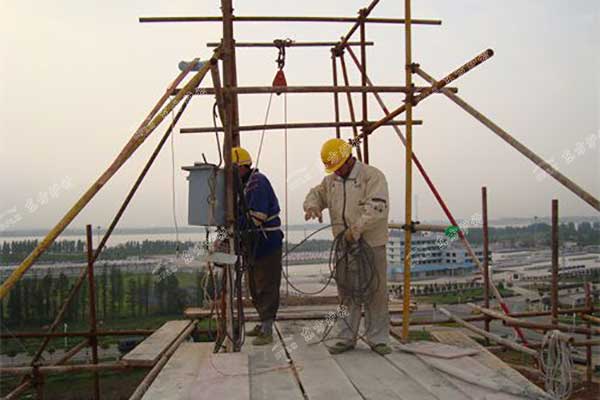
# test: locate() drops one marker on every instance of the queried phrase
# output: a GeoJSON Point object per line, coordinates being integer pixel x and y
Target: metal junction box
{"type": "Point", "coordinates": [206, 199]}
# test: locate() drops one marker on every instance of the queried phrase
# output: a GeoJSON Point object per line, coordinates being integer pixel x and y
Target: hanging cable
{"type": "Point", "coordinates": [557, 364]}
{"type": "Point", "coordinates": [262, 135]}
{"type": "Point", "coordinates": [215, 116]}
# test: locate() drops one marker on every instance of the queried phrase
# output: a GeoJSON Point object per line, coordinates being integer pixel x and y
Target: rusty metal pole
{"type": "Point", "coordinates": [554, 290]}
{"type": "Point", "coordinates": [589, 303]}
{"type": "Point", "coordinates": [336, 99]}
{"type": "Point", "coordinates": [486, 255]}
{"type": "Point", "coordinates": [408, 167]}
{"type": "Point", "coordinates": [231, 140]}
{"type": "Point", "coordinates": [363, 82]}
{"type": "Point", "coordinates": [350, 105]}
{"type": "Point", "coordinates": [93, 340]}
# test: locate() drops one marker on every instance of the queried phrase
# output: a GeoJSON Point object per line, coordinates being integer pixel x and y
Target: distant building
{"type": "Point", "coordinates": [431, 257]}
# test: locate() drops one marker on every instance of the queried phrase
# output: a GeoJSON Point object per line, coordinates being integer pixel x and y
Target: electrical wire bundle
{"type": "Point", "coordinates": [350, 264]}
{"type": "Point", "coordinates": [557, 364]}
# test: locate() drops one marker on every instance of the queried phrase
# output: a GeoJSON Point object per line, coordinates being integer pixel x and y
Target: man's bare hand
{"type": "Point", "coordinates": [312, 214]}
{"type": "Point", "coordinates": [352, 235]}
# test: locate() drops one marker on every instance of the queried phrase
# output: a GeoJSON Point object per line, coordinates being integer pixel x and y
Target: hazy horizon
{"type": "Point", "coordinates": [80, 77]}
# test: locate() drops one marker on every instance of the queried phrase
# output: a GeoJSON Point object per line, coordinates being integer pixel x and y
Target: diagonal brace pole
{"type": "Point", "coordinates": [136, 140]}
{"type": "Point", "coordinates": [521, 148]}
{"type": "Point", "coordinates": [457, 73]}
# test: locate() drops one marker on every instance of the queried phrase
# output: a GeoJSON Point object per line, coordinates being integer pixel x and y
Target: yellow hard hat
{"type": "Point", "coordinates": [334, 154]}
{"type": "Point", "coordinates": [240, 156]}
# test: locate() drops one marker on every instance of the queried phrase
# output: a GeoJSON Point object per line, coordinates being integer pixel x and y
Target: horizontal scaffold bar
{"type": "Point", "coordinates": [292, 19]}
{"type": "Point", "coordinates": [314, 89]}
{"type": "Point", "coordinates": [292, 44]}
{"type": "Point", "coordinates": [301, 125]}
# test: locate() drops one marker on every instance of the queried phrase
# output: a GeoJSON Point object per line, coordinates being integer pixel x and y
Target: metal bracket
{"type": "Point", "coordinates": [411, 226]}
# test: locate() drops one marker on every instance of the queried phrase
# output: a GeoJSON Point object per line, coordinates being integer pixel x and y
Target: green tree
{"type": "Point", "coordinates": [132, 295]}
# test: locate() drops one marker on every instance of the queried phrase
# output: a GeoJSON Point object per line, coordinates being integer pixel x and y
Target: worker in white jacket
{"type": "Point", "coordinates": [356, 196]}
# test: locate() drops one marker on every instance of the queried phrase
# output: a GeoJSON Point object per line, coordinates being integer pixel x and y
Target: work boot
{"type": "Point", "coordinates": [262, 339]}
{"type": "Point", "coordinates": [340, 347]}
{"type": "Point", "coordinates": [382, 349]}
{"type": "Point", "coordinates": [255, 331]}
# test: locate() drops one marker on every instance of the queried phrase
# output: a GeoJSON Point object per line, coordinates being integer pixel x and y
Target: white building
{"type": "Point", "coordinates": [432, 255]}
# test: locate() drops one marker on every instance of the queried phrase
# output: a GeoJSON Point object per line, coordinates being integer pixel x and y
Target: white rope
{"type": "Point", "coordinates": [262, 136]}
{"type": "Point", "coordinates": [557, 364]}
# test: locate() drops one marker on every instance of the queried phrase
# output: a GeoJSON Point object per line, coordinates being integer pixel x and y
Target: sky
{"type": "Point", "coordinates": [78, 77]}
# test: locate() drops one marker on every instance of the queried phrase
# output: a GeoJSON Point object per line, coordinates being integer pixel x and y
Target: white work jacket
{"type": "Point", "coordinates": [360, 202]}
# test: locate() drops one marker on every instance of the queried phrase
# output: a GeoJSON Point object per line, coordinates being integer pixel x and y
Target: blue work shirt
{"type": "Point", "coordinates": [264, 211]}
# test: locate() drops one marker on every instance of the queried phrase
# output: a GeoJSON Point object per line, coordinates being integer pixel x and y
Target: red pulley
{"type": "Point", "coordinates": [279, 80]}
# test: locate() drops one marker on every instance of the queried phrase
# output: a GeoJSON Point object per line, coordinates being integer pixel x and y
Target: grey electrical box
{"type": "Point", "coordinates": [206, 199]}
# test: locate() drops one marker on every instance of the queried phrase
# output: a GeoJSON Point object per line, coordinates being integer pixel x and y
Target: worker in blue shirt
{"type": "Point", "coordinates": [259, 216]}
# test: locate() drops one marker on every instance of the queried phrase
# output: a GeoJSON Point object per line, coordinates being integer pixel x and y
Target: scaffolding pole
{"type": "Point", "coordinates": [289, 44]}
{"type": "Point", "coordinates": [408, 168]}
{"type": "Point", "coordinates": [439, 198]}
{"type": "Point", "coordinates": [350, 106]}
{"type": "Point", "coordinates": [207, 91]}
{"type": "Point", "coordinates": [289, 19]}
{"type": "Point", "coordinates": [336, 99]}
{"type": "Point", "coordinates": [231, 140]}
{"type": "Point", "coordinates": [486, 255]}
{"type": "Point", "coordinates": [93, 339]}
{"type": "Point", "coordinates": [363, 79]}
{"type": "Point", "coordinates": [296, 125]}
{"type": "Point", "coordinates": [521, 148]}
{"type": "Point", "coordinates": [141, 134]}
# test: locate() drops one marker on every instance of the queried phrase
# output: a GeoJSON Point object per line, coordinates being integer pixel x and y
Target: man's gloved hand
{"type": "Point", "coordinates": [313, 213]}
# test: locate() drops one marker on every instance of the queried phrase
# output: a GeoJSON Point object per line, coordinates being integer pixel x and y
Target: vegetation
{"type": "Point", "coordinates": [34, 301]}
{"type": "Point", "coordinates": [468, 295]}
{"type": "Point", "coordinates": [584, 234]}
{"type": "Point", "coordinates": [74, 250]}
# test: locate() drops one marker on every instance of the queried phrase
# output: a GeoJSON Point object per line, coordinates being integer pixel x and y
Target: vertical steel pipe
{"type": "Point", "coordinates": [92, 303]}
{"type": "Point", "coordinates": [486, 255]}
{"type": "Point", "coordinates": [589, 303]}
{"type": "Point", "coordinates": [408, 166]}
{"type": "Point", "coordinates": [363, 62]}
{"type": "Point", "coordinates": [336, 99]}
{"type": "Point", "coordinates": [554, 290]}
{"type": "Point", "coordinates": [350, 106]}
{"type": "Point", "coordinates": [231, 140]}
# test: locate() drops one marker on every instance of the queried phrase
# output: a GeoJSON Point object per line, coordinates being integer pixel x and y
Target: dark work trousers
{"type": "Point", "coordinates": [265, 280]}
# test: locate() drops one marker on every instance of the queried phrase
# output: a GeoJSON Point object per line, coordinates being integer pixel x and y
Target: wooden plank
{"type": "Point", "coordinates": [485, 357]}
{"type": "Point", "coordinates": [271, 376]}
{"type": "Point", "coordinates": [476, 378]}
{"type": "Point", "coordinates": [147, 353]}
{"type": "Point", "coordinates": [435, 382]}
{"type": "Point", "coordinates": [312, 311]}
{"type": "Point", "coordinates": [376, 378]}
{"type": "Point", "coordinates": [175, 380]}
{"type": "Point", "coordinates": [222, 376]}
{"type": "Point", "coordinates": [435, 349]}
{"type": "Point", "coordinates": [321, 377]}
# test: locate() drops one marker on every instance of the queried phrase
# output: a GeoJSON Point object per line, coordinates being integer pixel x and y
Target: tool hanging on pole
{"type": "Point", "coordinates": [279, 80]}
